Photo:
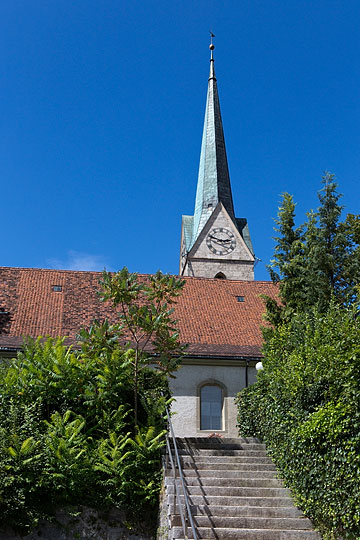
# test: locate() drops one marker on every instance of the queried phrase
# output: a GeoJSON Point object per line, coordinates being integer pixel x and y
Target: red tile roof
{"type": "Point", "coordinates": [210, 318]}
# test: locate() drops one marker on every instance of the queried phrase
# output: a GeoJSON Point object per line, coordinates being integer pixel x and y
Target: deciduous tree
{"type": "Point", "coordinates": [145, 311]}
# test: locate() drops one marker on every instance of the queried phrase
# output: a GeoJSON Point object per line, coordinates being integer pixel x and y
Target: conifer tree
{"type": "Point", "coordinates": [350, 277]}
{"type": "Point", "coordinates": [313, 280]}
{"type": "Point", "coordinates": [334, 261]}
{"type": "Point", "coordinates": [331, 242]}
{"type": "Point", "coordinates": [287, 266]}
{"type": "Point", "coordinates": [316, 261]}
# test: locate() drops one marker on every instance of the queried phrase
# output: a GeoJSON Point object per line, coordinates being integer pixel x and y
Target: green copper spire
{"type": "Point", "coordinates": [213, 180]}
{"type": "Point", "coordinates": [215, 243]}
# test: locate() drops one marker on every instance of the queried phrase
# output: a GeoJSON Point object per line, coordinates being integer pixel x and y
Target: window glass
{"type": "Point", "coordinates": [211, 407]}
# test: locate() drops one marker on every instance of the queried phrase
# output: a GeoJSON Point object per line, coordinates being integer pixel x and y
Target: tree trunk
{"type": "Point", "coordinates": [136, 387]}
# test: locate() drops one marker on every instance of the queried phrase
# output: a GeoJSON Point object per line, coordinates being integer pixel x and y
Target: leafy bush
{"type": "Point", "coordinates": [306, 407]}
{"type": "Point", "coordinates": [67, 434]}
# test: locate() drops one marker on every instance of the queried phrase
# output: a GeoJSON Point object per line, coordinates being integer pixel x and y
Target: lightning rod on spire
{"type": "Point", "coordinates": [211, 46]}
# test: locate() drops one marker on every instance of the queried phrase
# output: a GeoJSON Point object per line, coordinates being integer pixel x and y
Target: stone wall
{"type": "Point", "coordinates": [203, 262]}
{"type": "Point", "coordinates": [88, 524]}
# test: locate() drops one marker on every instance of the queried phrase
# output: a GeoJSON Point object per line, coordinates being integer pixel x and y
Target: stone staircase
{"type": "Point", "coordinates": [234, 493]}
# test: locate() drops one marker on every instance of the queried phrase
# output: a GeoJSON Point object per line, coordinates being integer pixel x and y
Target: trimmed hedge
{"type": "Point", "coordinates": [306, 407]}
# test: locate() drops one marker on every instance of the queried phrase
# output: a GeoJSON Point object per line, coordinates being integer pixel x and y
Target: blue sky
{"type": "Point", "coordinates": [101, 114]}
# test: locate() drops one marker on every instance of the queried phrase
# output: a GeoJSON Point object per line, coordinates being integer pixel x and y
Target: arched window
{"type": "Point", "coordinates": [211, 405]}
{"type": "Point", "coordinates": [220, 275]}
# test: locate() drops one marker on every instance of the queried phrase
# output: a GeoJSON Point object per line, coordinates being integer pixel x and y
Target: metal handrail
{"type": "Point", "coordinates": [183, 483]}
{"type": "Point", "coordinates": [176, 494]}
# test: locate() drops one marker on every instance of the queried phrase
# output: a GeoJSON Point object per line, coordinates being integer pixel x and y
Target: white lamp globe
{"type": "Point", "coordinates": [259, 366]}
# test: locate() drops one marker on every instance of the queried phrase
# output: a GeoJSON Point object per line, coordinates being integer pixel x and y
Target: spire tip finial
{"type": "Point", "coordinates": [211, 46]}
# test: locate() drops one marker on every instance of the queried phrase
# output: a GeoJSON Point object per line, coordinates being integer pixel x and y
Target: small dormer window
{"type": "Point", "coordinates": [57, 288]}
{"type": "Point", "coordinates": [240, 298]}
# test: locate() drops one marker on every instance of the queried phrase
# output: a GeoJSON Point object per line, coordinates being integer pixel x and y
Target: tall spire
{"type": "Point", "coordinates": [213, 180]}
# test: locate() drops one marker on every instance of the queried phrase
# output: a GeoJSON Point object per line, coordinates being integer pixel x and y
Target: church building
{"type": "Point", "coordinates": [214, 244]}
{"type": "Point", "coordinates": [219, 312]}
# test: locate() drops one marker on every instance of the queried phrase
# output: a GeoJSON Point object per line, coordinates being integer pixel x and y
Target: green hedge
{"type": "Point", "coordinates": [306, 407]}
{"type": "Point", "coordinates": [67, 434]}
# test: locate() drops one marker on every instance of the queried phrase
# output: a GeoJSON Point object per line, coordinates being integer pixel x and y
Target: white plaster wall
{"type": "Point", "coordinates": [185, 388]}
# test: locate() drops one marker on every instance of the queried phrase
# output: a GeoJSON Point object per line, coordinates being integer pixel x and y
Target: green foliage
{"type": "Point", "coordinates": [21, 461]}
{"type": "Point", "coordinates": [125, 463]}
{"type": "Point", "coordinates": [316, 261]}
{"type": "Point", "coordinates": [67, 430]}
{"type": "Point", "coordinates": [305, 406]}
{"type": "Point", "coordinates": [146, 320]}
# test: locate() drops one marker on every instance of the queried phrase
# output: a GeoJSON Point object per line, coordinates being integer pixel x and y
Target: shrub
{"type": "Point", "coordinates": [67, 433]}
{"type": "Point", "coordinates": [306, 407]}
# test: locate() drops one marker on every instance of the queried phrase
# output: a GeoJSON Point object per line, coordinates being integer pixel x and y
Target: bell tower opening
{"type": "Point", "coordinates": [220, 275]}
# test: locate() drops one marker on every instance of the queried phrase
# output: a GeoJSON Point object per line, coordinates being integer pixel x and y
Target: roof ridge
{"type": "Point", "coordinates": [50, 269]}
{"type": "Point", "coordinates": [94, 272]}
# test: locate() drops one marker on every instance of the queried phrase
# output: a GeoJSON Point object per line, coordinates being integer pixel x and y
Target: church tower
{"type": "Point", "coordinates": [214, 243]}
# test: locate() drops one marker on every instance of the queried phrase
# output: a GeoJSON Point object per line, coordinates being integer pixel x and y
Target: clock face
{"type": "Point", "coordinates": [221, 241]}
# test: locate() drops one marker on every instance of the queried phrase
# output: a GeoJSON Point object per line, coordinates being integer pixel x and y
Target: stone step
{"type": "Point", "coordinates": [222, 452]}
{"type": "Point", "coordinates": [215, 441]}
{"type": "Point", "coordinates": [247, 534]}
{"type": "Point", "coordinates": [213, 491]}
{"type": "Point", "coordinates": [222, 522]}
{"type": "Point", "coordinates": [234, 493]}
{"type": "Point", "coordinates": [243, 511]}
{"type": "Point", "coordinates": [226, 459]}
{"type": "Point", "coordinates": [226, 500]}
{"type": "Point", "coordinates": [220, 466]}
{"type": "Point", "coordinates": [229, 482]}
{"type": "Point", "coordinates": [222, 447]}
{"type": "Point", "coordinates": [211, 473]}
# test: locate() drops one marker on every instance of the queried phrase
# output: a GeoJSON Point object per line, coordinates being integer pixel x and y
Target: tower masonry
{"type": "Point", "coordinates": [215, 243]}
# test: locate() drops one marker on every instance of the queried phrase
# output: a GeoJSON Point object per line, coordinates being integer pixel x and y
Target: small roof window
{"type": "Point", "coordinates": [240, 298]}
{"type": "Point", "coordinates": [57, 288]}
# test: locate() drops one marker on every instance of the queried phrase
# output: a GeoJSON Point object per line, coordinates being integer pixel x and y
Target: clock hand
{"type": "Point", "coordinates": [220, 240]}
{"type": "Point", "coordinates": [217, 241]}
